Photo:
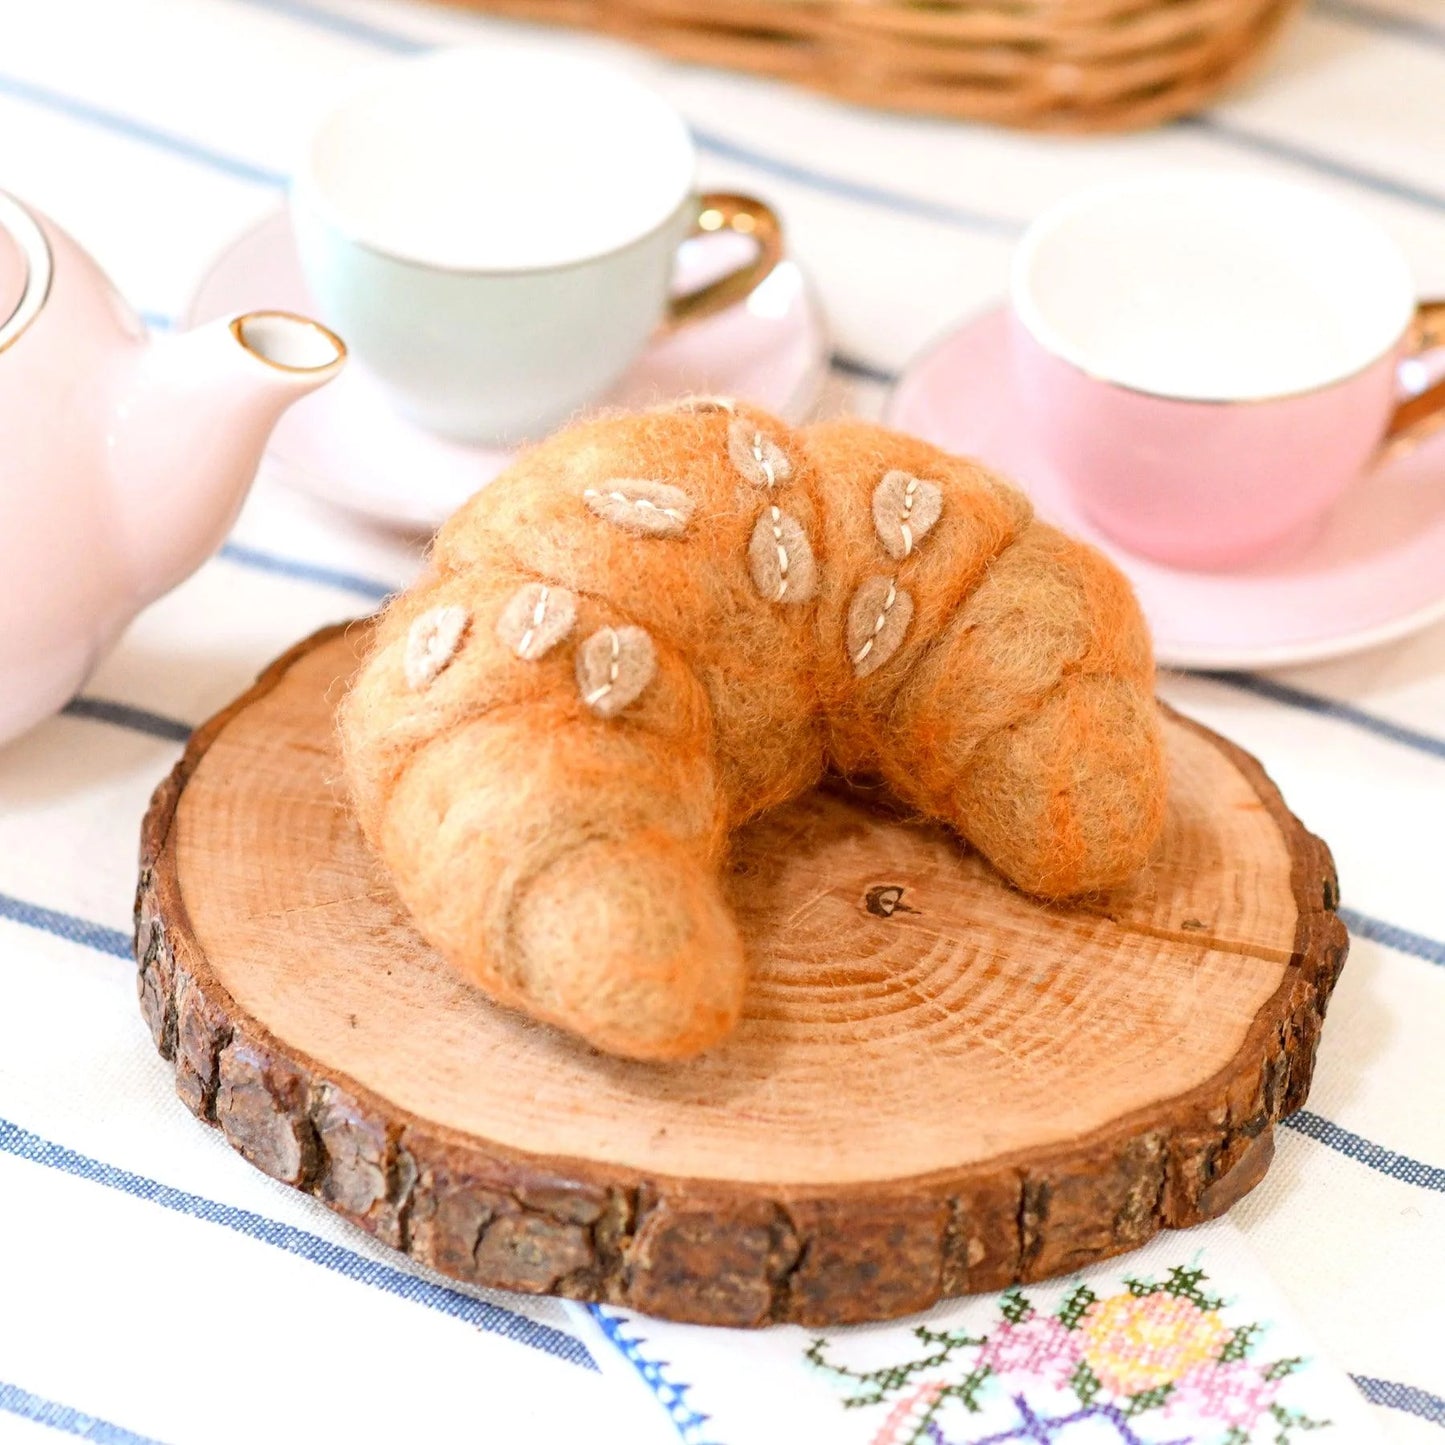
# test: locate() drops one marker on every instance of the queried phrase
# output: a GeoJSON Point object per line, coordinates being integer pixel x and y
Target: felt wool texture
{"type": "Point", "coordinates": [651, 508]}
{"type": "Point", "coordinates": [780, 559]}
{"type": "Point", "coordinates": [757, 456]}
{"type": "Point", "coordinates": [431, 644]}
{"type": "Point", "coordinates": [613, 666]}
{"type": "Point", "coordinates": [904, 508]}
{"type": "Point", "coordinates": [555, 803]}
{"type": "Point", "coordinates": [878, 619]}
{"type": "Point", "coordinates": [536, 618]}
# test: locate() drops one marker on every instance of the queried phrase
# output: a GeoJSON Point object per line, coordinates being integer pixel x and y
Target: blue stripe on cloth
{"type": "Point", "coordinates": [882, 197]}
{"type": "Point", "coordinates": [1313, 160]}
{"type": "Point", "coordinates": [1407, 27]}
{"type": "Point", "coordinates": [1395, 1396]}
{"type": "Point", "coordinates": [1329, 707]}
{"type": "Point", "coordinates": [1373, 1156]}
{"type": "Point", "coordinates": [482, 1314]}
{"type": "Point", "coordinates": [123, 125]}
{"type": "Point", "coordinates": [15, 1401]}
{"type": "Point", "coordinates": [1432, 950]}
{"type": "Point", "coordinates": [260, 561]}
{"type": "Point", "coordinates": [67, 926]}
{"type": "Point", "coordinates": [122, 714]}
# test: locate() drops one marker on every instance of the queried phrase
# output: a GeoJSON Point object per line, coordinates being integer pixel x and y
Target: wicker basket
{"type": "Point", "coordinates": [1043, 64]}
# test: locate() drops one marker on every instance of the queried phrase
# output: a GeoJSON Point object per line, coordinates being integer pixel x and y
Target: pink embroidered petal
{"type": "Point", "coordinates": [1235, 1393]}
{"type": "Point", "coordinates": [1039, 1347]}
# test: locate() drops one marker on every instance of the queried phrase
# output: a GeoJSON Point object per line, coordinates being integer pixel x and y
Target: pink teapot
{"type": "Point", "coordinates": [125, 459]}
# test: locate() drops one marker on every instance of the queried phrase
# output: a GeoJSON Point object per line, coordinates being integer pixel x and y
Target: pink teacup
{"type": "Point", "coordinates": [1212, 359]}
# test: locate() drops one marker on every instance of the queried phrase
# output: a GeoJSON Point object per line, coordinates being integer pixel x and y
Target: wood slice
{"type": "Point", "coordinates": [940, 1085]}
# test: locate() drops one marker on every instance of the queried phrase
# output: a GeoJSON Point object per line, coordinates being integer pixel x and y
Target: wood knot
{"type": "Point", "coordinates": [883, 900]}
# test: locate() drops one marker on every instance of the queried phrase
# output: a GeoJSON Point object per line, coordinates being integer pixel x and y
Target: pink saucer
{"type": "Point", "coordinates": [1372, 572]}
{"type": "Point", "coordinates": [346, 445]}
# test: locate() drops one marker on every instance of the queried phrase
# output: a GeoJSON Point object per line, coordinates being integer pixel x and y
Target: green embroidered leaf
{"type": "Point", "coordinates": [1148, 1400]}
{"type": "Point", "coordinates": [1182, 1283]}
{"type": "Point", "coordinates": [950, 1339]}
{"type": "Point", "coordinates": [1076, 1307]}
{"type": "Point", "coordinates": [1281, 1368]}
{"type": "Point", "coordinates": [1085, 1383]}
{"type": "Point", "coordinates": [1014, 1307]}
{"type": "Point", "coordinates": [966, 1390]}
{"type": "Point", "coordinates": [873, 1387]}
{"type": "Point", "coordinates": [1292, 1420]}
{"type": "Point", "coordinates": [1241, 1342]}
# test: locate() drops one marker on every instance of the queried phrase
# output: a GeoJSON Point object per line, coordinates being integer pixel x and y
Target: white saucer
{"type": "Point", "coordinates": [1372, 572]}
{"type": "Point", "coordinates": [346, 445]}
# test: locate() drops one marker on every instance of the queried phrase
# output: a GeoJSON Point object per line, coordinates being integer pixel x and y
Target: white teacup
{"type": "Point", "coordinates": [494, 232]}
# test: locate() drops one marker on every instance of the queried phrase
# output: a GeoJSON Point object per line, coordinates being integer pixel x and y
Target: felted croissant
{"type": "Point", "coordinates": [654, 627]}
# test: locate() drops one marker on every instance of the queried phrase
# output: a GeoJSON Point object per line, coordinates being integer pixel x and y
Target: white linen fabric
{"type": "Point", "coordinates": [154, 1287]}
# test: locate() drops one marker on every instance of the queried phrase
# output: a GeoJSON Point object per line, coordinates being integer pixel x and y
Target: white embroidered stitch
{"type": "Point", "coordinates": [536, 618]}
{"type": "Point", "coordinates": [780, 560]}
{"type": "Point", "coordinates": [598, 693]}
{"type": "Point", "coordinates": [653, 509]}
{"type": "Point", "coordinates": [757, 457]}
{"type": "Point", "coordinates": [645, 504]}
{"type": "Point", "coordinates": [878, 620]}
{"type": "Point", "coordinates": [903, 524]}
{"type": "Point", "coordinates": [764, 463]}
{"type": "Point", "coordinates": [539, 613]}
{"type": "Point", "coordinates": [878, 625]}
{"type": "Point", "coordinates": [614, 667]}
{"type": "Point", "coordinates": [782, 554]}
{"type": "Point", "coordinates": [905, 510]}
{"type": "Point", "coordinates": [431, 643]}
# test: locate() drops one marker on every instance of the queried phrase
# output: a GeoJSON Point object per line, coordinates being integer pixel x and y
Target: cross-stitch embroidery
{"type": "Point", "coordinates": [1154, 1364]}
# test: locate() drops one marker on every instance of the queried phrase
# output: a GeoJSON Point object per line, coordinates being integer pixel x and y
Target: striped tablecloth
{"type": "Point", "coordinates": [152, 1285]}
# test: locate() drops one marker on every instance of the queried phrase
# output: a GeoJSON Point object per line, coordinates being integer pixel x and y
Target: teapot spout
{"type": "Point", "coordinates": [191, 425]}
{"type": "Point", "coordinates": [303, 350]}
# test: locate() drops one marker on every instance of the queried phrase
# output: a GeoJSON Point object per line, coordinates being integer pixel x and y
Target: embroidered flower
{"type": "Point", "coordinates": [1040, 1347]}
{"type": "Point", "coordinates": [1139, 1342]}
{"type": "Point", "coordinates": [1155, 1362]}
{"type": "Point", "coordinates": [1235, 1393]}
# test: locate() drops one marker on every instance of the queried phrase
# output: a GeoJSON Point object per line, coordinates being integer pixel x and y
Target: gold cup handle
{"type": "Point", "coordinates": [1419, 416]}
{"type": "Point", "coordinates": [719, 211]}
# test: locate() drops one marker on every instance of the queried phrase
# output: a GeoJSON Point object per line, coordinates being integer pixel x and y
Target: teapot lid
{"type": "Point", "coordinates": [25, 266]}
